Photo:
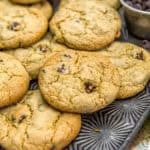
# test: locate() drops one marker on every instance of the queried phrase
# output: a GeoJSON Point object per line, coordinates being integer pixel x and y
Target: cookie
{"type": "Point", "coordinates": [14, 80]}
{"type": "Point", "coordinates": [34, 57]}
{"type": "Point", "coordinates": [21, 27]}
{"type": "Point", "coordinates": [89, 25]}
{"type": "Point", "coordinates": [33, 125]}
{"type": "Point", "coordinates": [113, 3]}
{"type": "Point", "coordinates": [45, 7]}
{"type": "Point", "coordinates": [79, 82]}
{"type": "Point", "coordinates": [133, 64]}
{"type": "Point", "coordinates": [26, 2]}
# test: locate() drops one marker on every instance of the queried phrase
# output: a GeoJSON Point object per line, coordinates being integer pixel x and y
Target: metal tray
{"type": "Point", "coordinates": [114, 127]}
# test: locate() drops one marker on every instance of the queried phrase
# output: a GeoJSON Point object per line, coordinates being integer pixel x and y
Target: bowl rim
{"type": "Point", "coordinates": [134, 9]}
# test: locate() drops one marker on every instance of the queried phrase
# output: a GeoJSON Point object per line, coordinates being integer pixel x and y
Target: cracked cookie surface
{"type": "Point", "coordinates": [89, 25]}
{"type": "Point", "coordinates": [14, 80]}
{"type": "Point", "coordinates": [26, 1]}
{"type": "Point", "coordinates": [44, 6]}
{"type": "Point", "coordinates": [33, 124]}
{"type": "Point", "coordinates": [79, 82]}
{"type": "Point", "coordinates": [113, 3]}
{"type": "Point", "coordinates": [34, 57]}
{"type": "Point", "coordinates": [21, 27]}
{"type": "Point", "coordinates": [133, 64]}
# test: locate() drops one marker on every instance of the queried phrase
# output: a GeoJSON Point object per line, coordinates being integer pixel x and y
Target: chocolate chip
{"type": "Point", "coordinates": [44, 71]}
{"type": "Point", "coordinates": [2, 148]}
{"type": "Point", "coordinates": [68, 56]}
{"type": "Point", "coordinates": [61, 69]}
{"type": "Point", "coordinates": [139, 4]}
{"type": "Point", "coordinates": [15, 26]}
{"type": "Point", "coordinates": [1, 60]}
{"type": "Point", "coordinates": [145, 44]}
{"type": "Point", "coordinates": [140, 56]}
{"type": "Point", "coordinates": [43, 48]}
{"type": "Point", "coordinates": [89, 87]}
{"type": "Point", "coordinates": [22, 118]}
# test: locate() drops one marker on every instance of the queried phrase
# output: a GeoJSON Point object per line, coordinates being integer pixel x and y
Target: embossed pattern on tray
{"type": "Point", "coordinates": [113, 127]}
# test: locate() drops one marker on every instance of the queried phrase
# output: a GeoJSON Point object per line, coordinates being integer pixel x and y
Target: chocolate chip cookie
{"type": "Point", "coordinates": [34, 57]}
{"type": "Point", "coordinates": [86, 25]}
{"type": "Point", "coordinates": [79, 82]}
{"type": "Point", "coordinates": [133, 64]}
{"type": "Point", "coordinates": [34, 125]}
{"type": "Point", "coordinates": [21, 27]}
{"type": "Point", "coordinates": [14, 80]}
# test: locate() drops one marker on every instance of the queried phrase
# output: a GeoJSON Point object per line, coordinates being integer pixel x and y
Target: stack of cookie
{"type": "Point", "coordinates": [26, 120]}
{"type": "Point", "coordinates": [79, 66]}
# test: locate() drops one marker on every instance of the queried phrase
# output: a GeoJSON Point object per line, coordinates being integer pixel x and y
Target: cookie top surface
{"type": "Point", "coordinates": [45, 7]}
{"type": "Point", "coordinates": [79, 82]}
{"type": "Point", "coordinates": [32, 124]}
{"type": "Point", "coordinates": [21, 27]}
{"type": "Point", "coordinates": [34, 57]}
{"type": "Point", "coordinates": [133, 64]}
{"type": "Point", "coordinates": [89, 25]}
{"type": "Point", "coordinates": [14, 80]}
{"type": "Point", "coordinates": [113, 3]}
{"type": "Point", "coordinates": [26, 2]}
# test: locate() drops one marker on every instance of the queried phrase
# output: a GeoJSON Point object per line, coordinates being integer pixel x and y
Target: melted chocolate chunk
{"type": "Point", "coordinates": [61, 69]}
{"type": "Point", "coordinates": [22, 118]}
{"type": "Point", "coordinates": [15, 26]}
{"type": "Point", "coordinates": [140, 56]}
{"type": "Point", "coordinates": [68, 56]}
{"type": "Point", "coordinates": [89, 87]}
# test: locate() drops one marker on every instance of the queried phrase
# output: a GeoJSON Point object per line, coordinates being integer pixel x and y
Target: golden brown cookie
{"type": "Point", "coordinates": [21, 27]}
{"type": "Point", "coordinates": [26, 2]}
{"type": "Point", "coordinates": [14, 80]}
{"type": "Point", "coordinates": [34, 57]}
{"type": "Point", "coordinates": [133, 64]}
{"type": "Point", "coordinates": [113, 3]}
{"type": "Point", "coordinates": [34, 125]}
{"type": "Point", "coordinates": [45, 7]}
{"type": "Point", "coordinates": [79, 82]}
{"type": "Point", "coordinates": [89, 25]}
